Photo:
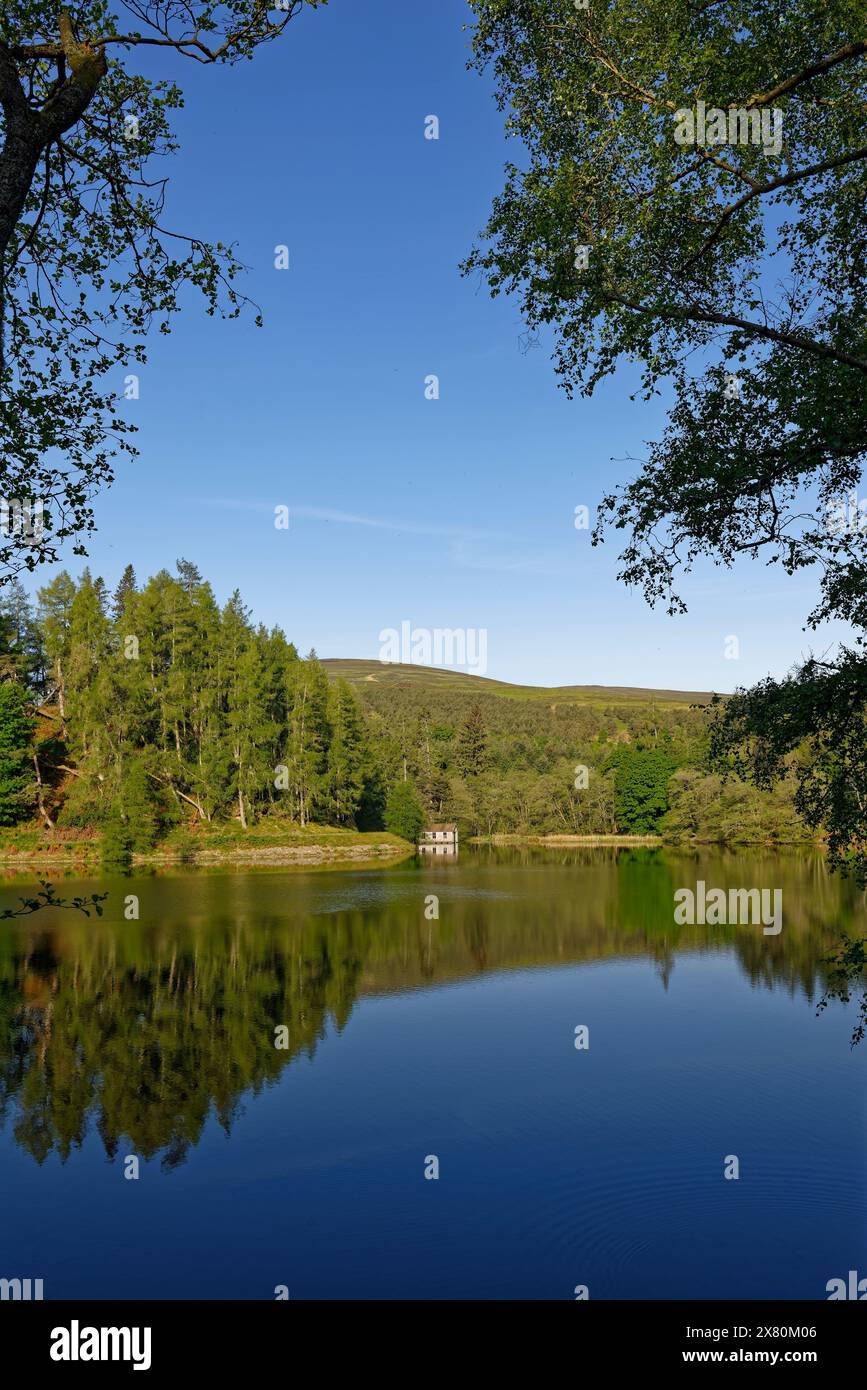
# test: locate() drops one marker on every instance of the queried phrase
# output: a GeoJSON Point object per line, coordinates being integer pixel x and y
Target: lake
{"type": "Point", "coordinates": [415, 1041]}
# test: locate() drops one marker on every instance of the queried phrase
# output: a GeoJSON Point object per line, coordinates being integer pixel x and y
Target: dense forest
{"type": "Point", "coordinates": [152, 707]}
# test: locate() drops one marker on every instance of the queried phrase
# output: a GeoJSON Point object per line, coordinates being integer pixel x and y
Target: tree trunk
{"type": "Point", "coordinates": [61, 699]}
{"type": "Point", "coordinates": [30, 132]}
{"type": "Point", "coordinates": [39, 801]}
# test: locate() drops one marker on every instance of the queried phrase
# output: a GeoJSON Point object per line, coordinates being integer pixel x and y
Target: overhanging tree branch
{"type": "Point", "coordinates": [694, 313]}
{"type": "Point", "coordinates": [760, 190]}
{"type": "Point", "coordinates": [856, 49]}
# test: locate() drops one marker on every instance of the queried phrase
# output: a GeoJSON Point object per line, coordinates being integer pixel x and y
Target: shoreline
{"type": "Point", "coordinates": [321, 847]}
{"type": "Point", "coordinates": [281, 855]}
{"type": "Point", "coordinates": [627, 841]}
{"type": "Point", "coordinates": [554, 840]}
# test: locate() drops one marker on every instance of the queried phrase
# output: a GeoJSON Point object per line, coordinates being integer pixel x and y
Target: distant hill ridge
{"type": "Point", "coordinates": [371, 672]}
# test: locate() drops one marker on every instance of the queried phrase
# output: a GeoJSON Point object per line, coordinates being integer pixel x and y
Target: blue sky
{"type": "Point", "coordinates": [455, 513]}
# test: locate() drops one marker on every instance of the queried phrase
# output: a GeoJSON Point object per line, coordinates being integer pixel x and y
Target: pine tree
{"type": "Point", "coordinates": [100, 589]}
{"type": "Point", "coordinates": [279, 660]}
{"type": "Point", "coordinates": [308, 737]}
{"type": "Point", "coordinates": [472, 743]}
{"type": "Point", "coordinates": [189, 575]}
{"type": "Point", "coordinates": [99, 712]}
{"type": "Point", "coordinates": [346, 755]}
{"type": "Point", "coordinates": [208, 758]}
{"type": "Point", "coordinates": [139, 806]}
{"type": "Point", "coordinates": [55, 621]}
{"type": "Point", "coordinates": [89, 649]}
{"type": "Point", "coordinates": [21, 648]}
{"type": "Point", "coordinates": [17, 727]}
{"type": "Point", "coordinates": [438, 791]}
{"type": "Point", "coordinates": [249, 728]}
{"type": "Point", "coordinates": [126, 587]}
{"type": "Point", "coordinates": [371, 807]}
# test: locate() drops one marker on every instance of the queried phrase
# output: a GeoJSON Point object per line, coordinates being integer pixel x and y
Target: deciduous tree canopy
{"type": "Point", "coordinates": [725, 253]}
{"type": "Point", "coordinates": [89, 262]}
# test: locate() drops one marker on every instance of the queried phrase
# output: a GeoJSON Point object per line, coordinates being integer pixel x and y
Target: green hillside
{"type": "Point", "coordinates": [212, 726]}
{"type": "Point", "coordinates": [580, 759]}
{"type": "Point", "coordinates": [373, 672]}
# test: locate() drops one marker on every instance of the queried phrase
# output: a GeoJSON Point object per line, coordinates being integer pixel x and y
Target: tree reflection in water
{"type": "Point", "coordinates": [144, 1032]}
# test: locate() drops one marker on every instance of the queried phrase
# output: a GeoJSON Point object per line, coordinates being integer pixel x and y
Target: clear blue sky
{"type": "Point", "coordinates": [453, 513]}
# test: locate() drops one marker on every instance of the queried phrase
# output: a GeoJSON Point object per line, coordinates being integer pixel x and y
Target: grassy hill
{"type": "Point", "coordinates": [373, 672]}
{"type": "Point", "coordinates": [503, 760]}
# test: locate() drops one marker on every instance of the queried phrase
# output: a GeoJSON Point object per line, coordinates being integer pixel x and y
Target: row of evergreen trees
{"type": "Point", "coordinates": [163, 705]}
{"type": "Point", "coordinates": [153, 706]}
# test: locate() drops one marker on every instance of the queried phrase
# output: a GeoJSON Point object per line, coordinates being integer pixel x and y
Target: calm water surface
{"type": "Point", "coordinates": [454, 1038]}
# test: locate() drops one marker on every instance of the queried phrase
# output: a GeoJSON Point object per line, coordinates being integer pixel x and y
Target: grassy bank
{"type": "Point", "coordinates": [625, 840]}
{"type": "Point", "coordinates": [29, 848]}
{"type": "Point", "coordinates": [679, 843]}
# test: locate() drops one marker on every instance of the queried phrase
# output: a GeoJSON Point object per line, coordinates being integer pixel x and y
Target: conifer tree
{"type": "Point", "coordinates": [189, 575]}
{"type": "Point", "coordinates": [174, 709]}
{"type": "Point", "coordinates": [55, 621]}
{"type": "Point", "coordinates": [208, 757]}
{"type": "Point", "coordinates": [16, 733]}
{"type": "Point", "coordinates": [346, 755]}
{"type": "Point", "coordinates": [249, 729]}
{"type": "Point", "coordinates": [472, 743]}
{"type": "Point", "coordinates": [100, 589]}
{"type": "Point", "coordinates": [308, 737]}
{"type": "Point", "coordinates": [126, 586]}
{"type": "Point", "coordinates": [138, 806]}
{"type": "Point", "coordinates": [89, 646]}
{"type": "Point", "coordinates": [22, 649]}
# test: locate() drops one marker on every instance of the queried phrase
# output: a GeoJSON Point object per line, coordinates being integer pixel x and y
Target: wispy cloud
{"type": "Point", "coordinates": [409, 528]}
{"type": "Point", "coordinates": [464, 552]}
{"type": "Point", "coordinates": [377, 523]}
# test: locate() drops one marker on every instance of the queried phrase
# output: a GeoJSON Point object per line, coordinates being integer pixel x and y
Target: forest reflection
{"type": "Point", "coordinates": [143, 1030]}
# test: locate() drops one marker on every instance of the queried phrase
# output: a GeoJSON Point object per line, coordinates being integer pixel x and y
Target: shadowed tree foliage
{"type": "Point", "coordinates": [730, 262]}
{"type": "Point", "coordinates": [16, 771]}
{"type": "Point", "coordinates": [847, 981]}
{"type": "Point", "coordinates": [404, 813]}
{"type": "Point", "coordinates": [88, 263]}
{"type": "Point", "coordinates": [820, 717]}
{"type": "Point", "coordinates": [472, 743]}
